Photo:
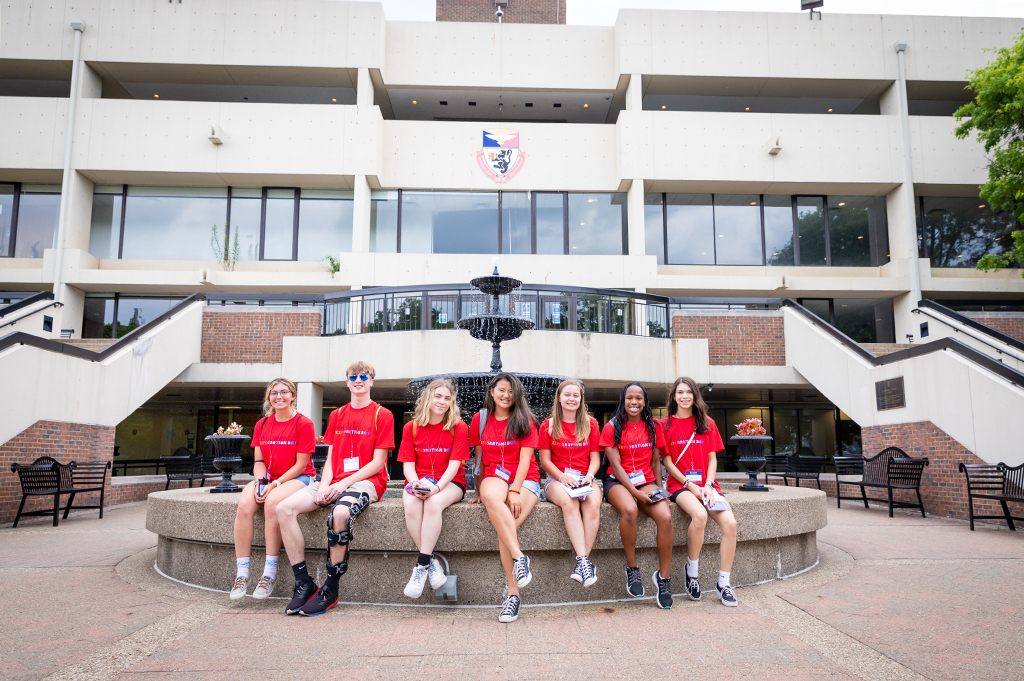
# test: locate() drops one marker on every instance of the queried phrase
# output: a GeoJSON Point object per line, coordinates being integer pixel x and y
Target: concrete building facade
{"type": "Point", "coordinates": [328, 180]}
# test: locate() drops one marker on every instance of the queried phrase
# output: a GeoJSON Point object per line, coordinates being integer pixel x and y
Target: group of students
{"type": "Point", "coordinates": [627, 455]}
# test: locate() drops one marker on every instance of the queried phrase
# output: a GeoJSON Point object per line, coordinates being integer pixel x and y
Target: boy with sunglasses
{"type": "Point", "coordinates": [360, 434]}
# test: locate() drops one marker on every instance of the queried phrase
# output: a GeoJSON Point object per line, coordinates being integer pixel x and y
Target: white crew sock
{"type": "Point", "coordinates": [723, 578]}
{"type": "Point", "coordinates": [270, 567]}
{"type": "Point", "coordinates": [692, 567]}
{"type": "Point", "coordinates": [242, 567]}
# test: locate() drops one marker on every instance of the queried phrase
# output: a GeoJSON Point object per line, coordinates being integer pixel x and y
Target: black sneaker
{"type": "Point", "coordinates": [692, 586]}
{"type": "Point", "coordinates": [664, 595]}
{"type": "Point", "coordinates": [510, 610]}
{"type": "Point", "coordinates": [579, 573]}
{"type": "Point", "coordinates": [521, 569]}
{"type": "Point", "coordinates": [302, 593]}
{"type": "Point", "coordinates": [589, 572]}
{"type": "Point", "coordinates": [725, 593]}
{"type": "Point", "coordinates": [634, 584]}
{"type": "Point", "coordinates": [323, 600]}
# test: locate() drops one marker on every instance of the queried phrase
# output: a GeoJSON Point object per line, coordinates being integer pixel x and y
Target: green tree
{"type": "Point", "coordinates": [997, 115]}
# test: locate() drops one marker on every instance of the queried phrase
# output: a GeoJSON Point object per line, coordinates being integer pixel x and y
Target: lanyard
{"type": "Point", "coordinates": [688, 443]}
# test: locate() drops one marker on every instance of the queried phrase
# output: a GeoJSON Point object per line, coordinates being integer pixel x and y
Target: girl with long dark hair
{"type": "Point", "coordinates": [633, 442]}
{"type": "Point", "coordinates": [691, 461]}
{"type": "Point", "coordinates": [505, 435]}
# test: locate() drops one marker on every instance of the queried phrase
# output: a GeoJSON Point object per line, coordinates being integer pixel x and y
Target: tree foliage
{"type": "Point", "coordinates": [997, 116]}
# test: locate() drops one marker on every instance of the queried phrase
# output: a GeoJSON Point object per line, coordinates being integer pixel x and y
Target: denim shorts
{"type": "Point", "coordinates": [532, 486]}
{"type": "Point", "coordinates": [304, 479]}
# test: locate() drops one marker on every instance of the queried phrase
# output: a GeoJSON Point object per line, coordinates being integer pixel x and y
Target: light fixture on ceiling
{"type": "Point", "coordinates": [156, 96]}
{"type": "Point", "coordinates": [748, 108]}
{"type": "Point", "coordinates": [230, 407]}
{"type": "Point", "coordinates": [586, 106]}
{"type": "Point", "coordinates": [842, 204]}
{"type": "Point", "coordinates": [753, 203]}
{"type": "Point", "coordinates": [860, 237]}
{"type": "Point", "coordinates": [981, 206]}
{"type": "Point", "coordinates": [334, 99]}
{"type": "Point", "coordinates": [414, 101]}
{"type": "Point", "coordinates": [830, 110]}
{"type": "Point", "coordinates": [663, 106]}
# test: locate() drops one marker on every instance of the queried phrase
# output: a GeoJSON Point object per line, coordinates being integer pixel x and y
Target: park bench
{"type": "Point", "coordinates": [890, 470]}
{"type": "Point", "coordinates": [184, 465]}
{"type": "Point", "coordinates": [803, 465]}
{"type": "Point", "coordinates": [48, 477]}
{"type": "Point", "coordinates": [1000, 482]}
{"type": "Point", "coordinates": [775, 466]}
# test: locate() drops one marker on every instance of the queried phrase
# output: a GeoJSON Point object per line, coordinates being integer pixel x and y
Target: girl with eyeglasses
{"type": "Point", "coordinates": [283, 441]}
{"type": "Point", "coordinates": [435, 443]}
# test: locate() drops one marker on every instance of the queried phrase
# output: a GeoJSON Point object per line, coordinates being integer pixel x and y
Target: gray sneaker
{"type": "Point", "coordinates": [264, 587]}
{"type": "Point", "coordinates": [436, 575]}
{"type": "Point", "coordinates": [238, 588]}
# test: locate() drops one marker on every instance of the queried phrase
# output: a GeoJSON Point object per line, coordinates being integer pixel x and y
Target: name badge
{"type": "Point", "coordinates": [351, 464]}
{"type": "Point", "coordinates": [637, 478]}
{"type": "Point", "coordinates": [573, 473]}
{"type": "Point", "coordinates": [502, 473]}
{"type": "Point", "coordinates": [694, 476]}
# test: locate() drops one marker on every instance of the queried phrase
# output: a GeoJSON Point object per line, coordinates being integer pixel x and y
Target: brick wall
{"type": "Point", "coordinates": [516, 11]}
{"type": "Point", "coordinates": [64, 442]}
{"type": "Point", "coordinates": [253, 335]}
{"type": "Point", "coordinates": [736, 338]}
{"type": "Point", "coordinates": [1012, 324]}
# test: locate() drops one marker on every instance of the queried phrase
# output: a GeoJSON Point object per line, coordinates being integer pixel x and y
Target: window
{"type": "Point", "coordinates": [449, 222]}
{"type": "Point", "coordinates": [246, 215]}
{"type": "Point", "coordinates": [130, 311]}
{"type": "Point", "coordinates": [858, 233]}
{"type": "Point", "coordinates": [690, 221]}
{"type": "Point", "coordinates": [812, 242]}
{"type": "Point", "coordinates": [28, 219]}
{"type": "Point", "coordinates": [597, 224]}
{"type": "Point", "coordinates": [549, 221]}
{"type": "Point", "coordinates": [105, 234]}
{"type": "Point", "coordinates": [738, 229]}
{"type": "Point", "coordinates": [384, 221]}
{"type": "Point", "coordinates": [515, 222]}
{"type": "Point", "coordinates": [325, 223]}
{"type": "Point", "coordinates": [173, 223]}
{"type": "Point", "coordinates": [654, 221]}
{"type": "Point", "coordinates": [865, 320]}
{"type": "Point", "coordinates": [956, 232]}
{"type": "Point", "coordinates": [778, 230]}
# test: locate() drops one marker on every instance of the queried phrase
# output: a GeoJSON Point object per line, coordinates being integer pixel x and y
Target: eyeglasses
{"type": "Point", "coordinates": [362, 377]}
{"type": "Point", "coordinates": [280, 393]}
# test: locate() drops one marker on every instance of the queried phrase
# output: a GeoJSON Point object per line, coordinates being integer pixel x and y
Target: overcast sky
{"type": "Point", "coordinates": [602, 12]}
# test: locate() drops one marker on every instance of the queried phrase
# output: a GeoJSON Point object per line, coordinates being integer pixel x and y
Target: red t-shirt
{"type": "Point", "coordinates": [355, 433]}
{"type": "Point", "coordinates": [433, 447]}
{"type": "Point", "coordinates": [499, 450]}
{"type": "Point", "coordinates": [696, 457]}
{"type": "Point", "coordinates": [280, 443]}
{"type": "Point", "coordinates": [566, 452]}
{"type": "Point", "coordinates": [635, 447]}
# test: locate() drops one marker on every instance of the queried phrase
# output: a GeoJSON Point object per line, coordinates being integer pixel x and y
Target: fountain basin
{"type": "Point", "coordinates": [777, 538]}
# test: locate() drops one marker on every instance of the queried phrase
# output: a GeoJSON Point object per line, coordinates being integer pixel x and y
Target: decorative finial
{"type": "Point", "coordinates": [494, 261]}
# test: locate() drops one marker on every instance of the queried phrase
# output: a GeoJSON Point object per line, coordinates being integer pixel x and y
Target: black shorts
{"type": "Point", "coordinates": [672, 497]}
{"type": "Point", "coordinates": [611, 481]}
{"type": "Point", "coordinates": [460, 486]}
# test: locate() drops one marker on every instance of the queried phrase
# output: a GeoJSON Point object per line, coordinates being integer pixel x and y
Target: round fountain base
{"type": "Point", "coordinates": [776, 539]}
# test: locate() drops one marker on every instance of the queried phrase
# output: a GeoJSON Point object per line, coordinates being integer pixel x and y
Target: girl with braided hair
{"type": "Point", "coordinates": [633, 441]}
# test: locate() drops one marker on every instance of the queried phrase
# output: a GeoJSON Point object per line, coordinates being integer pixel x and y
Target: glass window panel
{"type": "Point", "coordinates": [691, 229]}
{"type": "Point", "coordinates": [246, 211]}
{"type": "Point", "coordinates": [134, 312]}
{"type": "Point", "coordinates": [38, 210]}
{"type": "Point", "coordinates": [778, 230]}
{"type": "Point", "coordinates": [515, 223]}
{"type": "Point", "coordinates": [449, 222]}
{"type": "Point", "coordinates": [958, 231]}
{"type": "Point", "coordinates": [383, 220]}
{"type": "Point", "coordinates": [597, 224]}
{"type": "Point", "coordinates": [325, 223]}
{"type": "Point", "coordinates": [819, 306]}
{"type": "Point", "coordinates": [818, 431]}
{"type": "Point", "coordinates": [6, 215]}
{"type": "Point", "coordinates": [555, 312]}
{"type": "Point", "coordinates": [810, 215]}
{"type": "Point", "coordinates": [550, 223]}
{"type": "Point", "coordinates": [105, 231]}
{"type": "Point", "coordinates": [738, 229]}
{"type": "Point", "coordinates": [865, 320]}
{"type": "Point", "coordinates": [173, 223]}
{"type": "Point", "coordinates": [785, 431]}
{"type": "Point", "coordinates": [849, 436]}
{"type": "Point", "coordinates": [98, 320]}
{"type": "Point", "coordinates": [279, 230]}
{"type": "Point", "coordinates": [858, 231]}
{"type": "Point", "coordinates": [654, 225]}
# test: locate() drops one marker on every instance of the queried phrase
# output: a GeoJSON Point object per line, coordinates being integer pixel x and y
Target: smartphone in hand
{"type": "Point", "coordinates": [657, 494]}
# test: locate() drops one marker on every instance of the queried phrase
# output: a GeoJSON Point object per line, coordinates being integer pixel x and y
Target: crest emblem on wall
{"type": "Point", "coordinates": [500, 158]}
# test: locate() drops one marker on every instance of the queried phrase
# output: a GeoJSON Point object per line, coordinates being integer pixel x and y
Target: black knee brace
{"type": "Point", "coordinates": [355, 502]}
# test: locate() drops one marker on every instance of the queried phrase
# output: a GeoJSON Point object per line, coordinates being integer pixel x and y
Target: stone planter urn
{"type": "Point", "coordinates": [227, 457]}
{"type": "Point", "coordinates": [752, 459]}
{"type": "Point", "coordinates": [320, 458]}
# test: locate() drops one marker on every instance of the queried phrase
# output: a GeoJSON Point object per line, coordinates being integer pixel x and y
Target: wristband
{"type": "Point", "coordinates": [514, 490]}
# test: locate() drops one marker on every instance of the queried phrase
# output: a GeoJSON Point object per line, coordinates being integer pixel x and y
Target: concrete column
{"type": "Point", "coordinates": [310, 403]}
{"type": "Point", "coordinates": [635, 218]}
{"type": "Point", "coordinates": [634, 94]}
{"type": "Point", "coordinates": [364, 89]}
{"type": "Point", "coordinates": [361, 215]}
{"type": "Point", "coordinates": [73, 312]}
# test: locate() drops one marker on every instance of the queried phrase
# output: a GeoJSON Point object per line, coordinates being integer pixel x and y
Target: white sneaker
{"type": "Point", "coordinates": [238, 588]}
{"type": "Point", "coordinates": [264, 587]}
{"type": "Point", "coordinates": [436, 574]}
{"type": "Point", "coordinates": [414, 589]}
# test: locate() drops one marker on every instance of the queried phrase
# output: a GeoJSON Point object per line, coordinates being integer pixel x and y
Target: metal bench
{"type": "Point", "coordinates": [804, 465]}
{"type": "Point", "coordinates": [1000, 482]}
{"type": "Point", "coordinates": [184, 465]}
{"type": "Point", "coordinates": [48, 477]}
{"type": "Point", "coordinates": [891, 469]}
{"type": "Point", "coordinates": [775, 466]}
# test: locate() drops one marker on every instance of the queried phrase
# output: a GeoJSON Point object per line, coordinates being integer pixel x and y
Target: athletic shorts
{"type": "Point", "coordinates": [361, 486]}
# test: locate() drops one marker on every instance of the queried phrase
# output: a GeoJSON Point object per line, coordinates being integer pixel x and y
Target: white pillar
{"type": "Point", "coordinates": [906, 218]}
{"type": "Point", "coordinates": [635, 218]}
{"type": "Point", "coordinates": [360, 215]}
{"type": "Point", "coordinates": [634, 93]}
{"type": "Point", "coordinates": [310, 404]}
{"type": "Point", "coordinates": [78, 26]}
{"type": "Point", "coordinates": [364, 88]}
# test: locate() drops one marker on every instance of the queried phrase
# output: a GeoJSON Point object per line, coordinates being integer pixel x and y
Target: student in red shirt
{"type": "Point", "coordinates": [693, 442]}
{"type": "Point", "coordinates": [355, 475]}
{"type": "Point", "coordinates": [570, 446]}
{"type": "Point", "coordinates": [506, 467]}
{"type": "Point", "coordinates": [435, 443]}
{"type": "Point", "coordinates": [283, 441]}
{"type": "Point", "coordinates": [633, 442]}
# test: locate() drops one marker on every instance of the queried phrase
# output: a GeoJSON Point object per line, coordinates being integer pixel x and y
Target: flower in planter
{"type": "Point", "coordinates": [319, 439]}
{"type": "Point", "coordinates": [750, 427]}
{"type": "Point", "coordinates": [233, 429]}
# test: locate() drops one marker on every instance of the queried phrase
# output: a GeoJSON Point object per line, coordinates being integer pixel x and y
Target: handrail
{"type": "Point", "coordinates": [29, 314]}
{"type": "Point", "coordinates": [22, 338]}
{"type": "Point", "coordinates": [977, 326]}
{"type": "Point", "coordinates": [1002, 370]}
{"type": "Point", "coordinates": [25, 302]}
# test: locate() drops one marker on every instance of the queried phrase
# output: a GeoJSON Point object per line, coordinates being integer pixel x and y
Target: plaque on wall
{"type": "Point", "coordinates": [889, 394]}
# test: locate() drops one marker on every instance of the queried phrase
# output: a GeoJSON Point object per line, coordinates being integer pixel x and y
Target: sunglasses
{"type": "Point", "coordinates": [362, 377]}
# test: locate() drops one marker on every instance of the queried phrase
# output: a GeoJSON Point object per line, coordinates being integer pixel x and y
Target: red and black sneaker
{"type": "Point", "coordinates": [323, 600]}
{"type": "Point", "coordinates": [302, 593]}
